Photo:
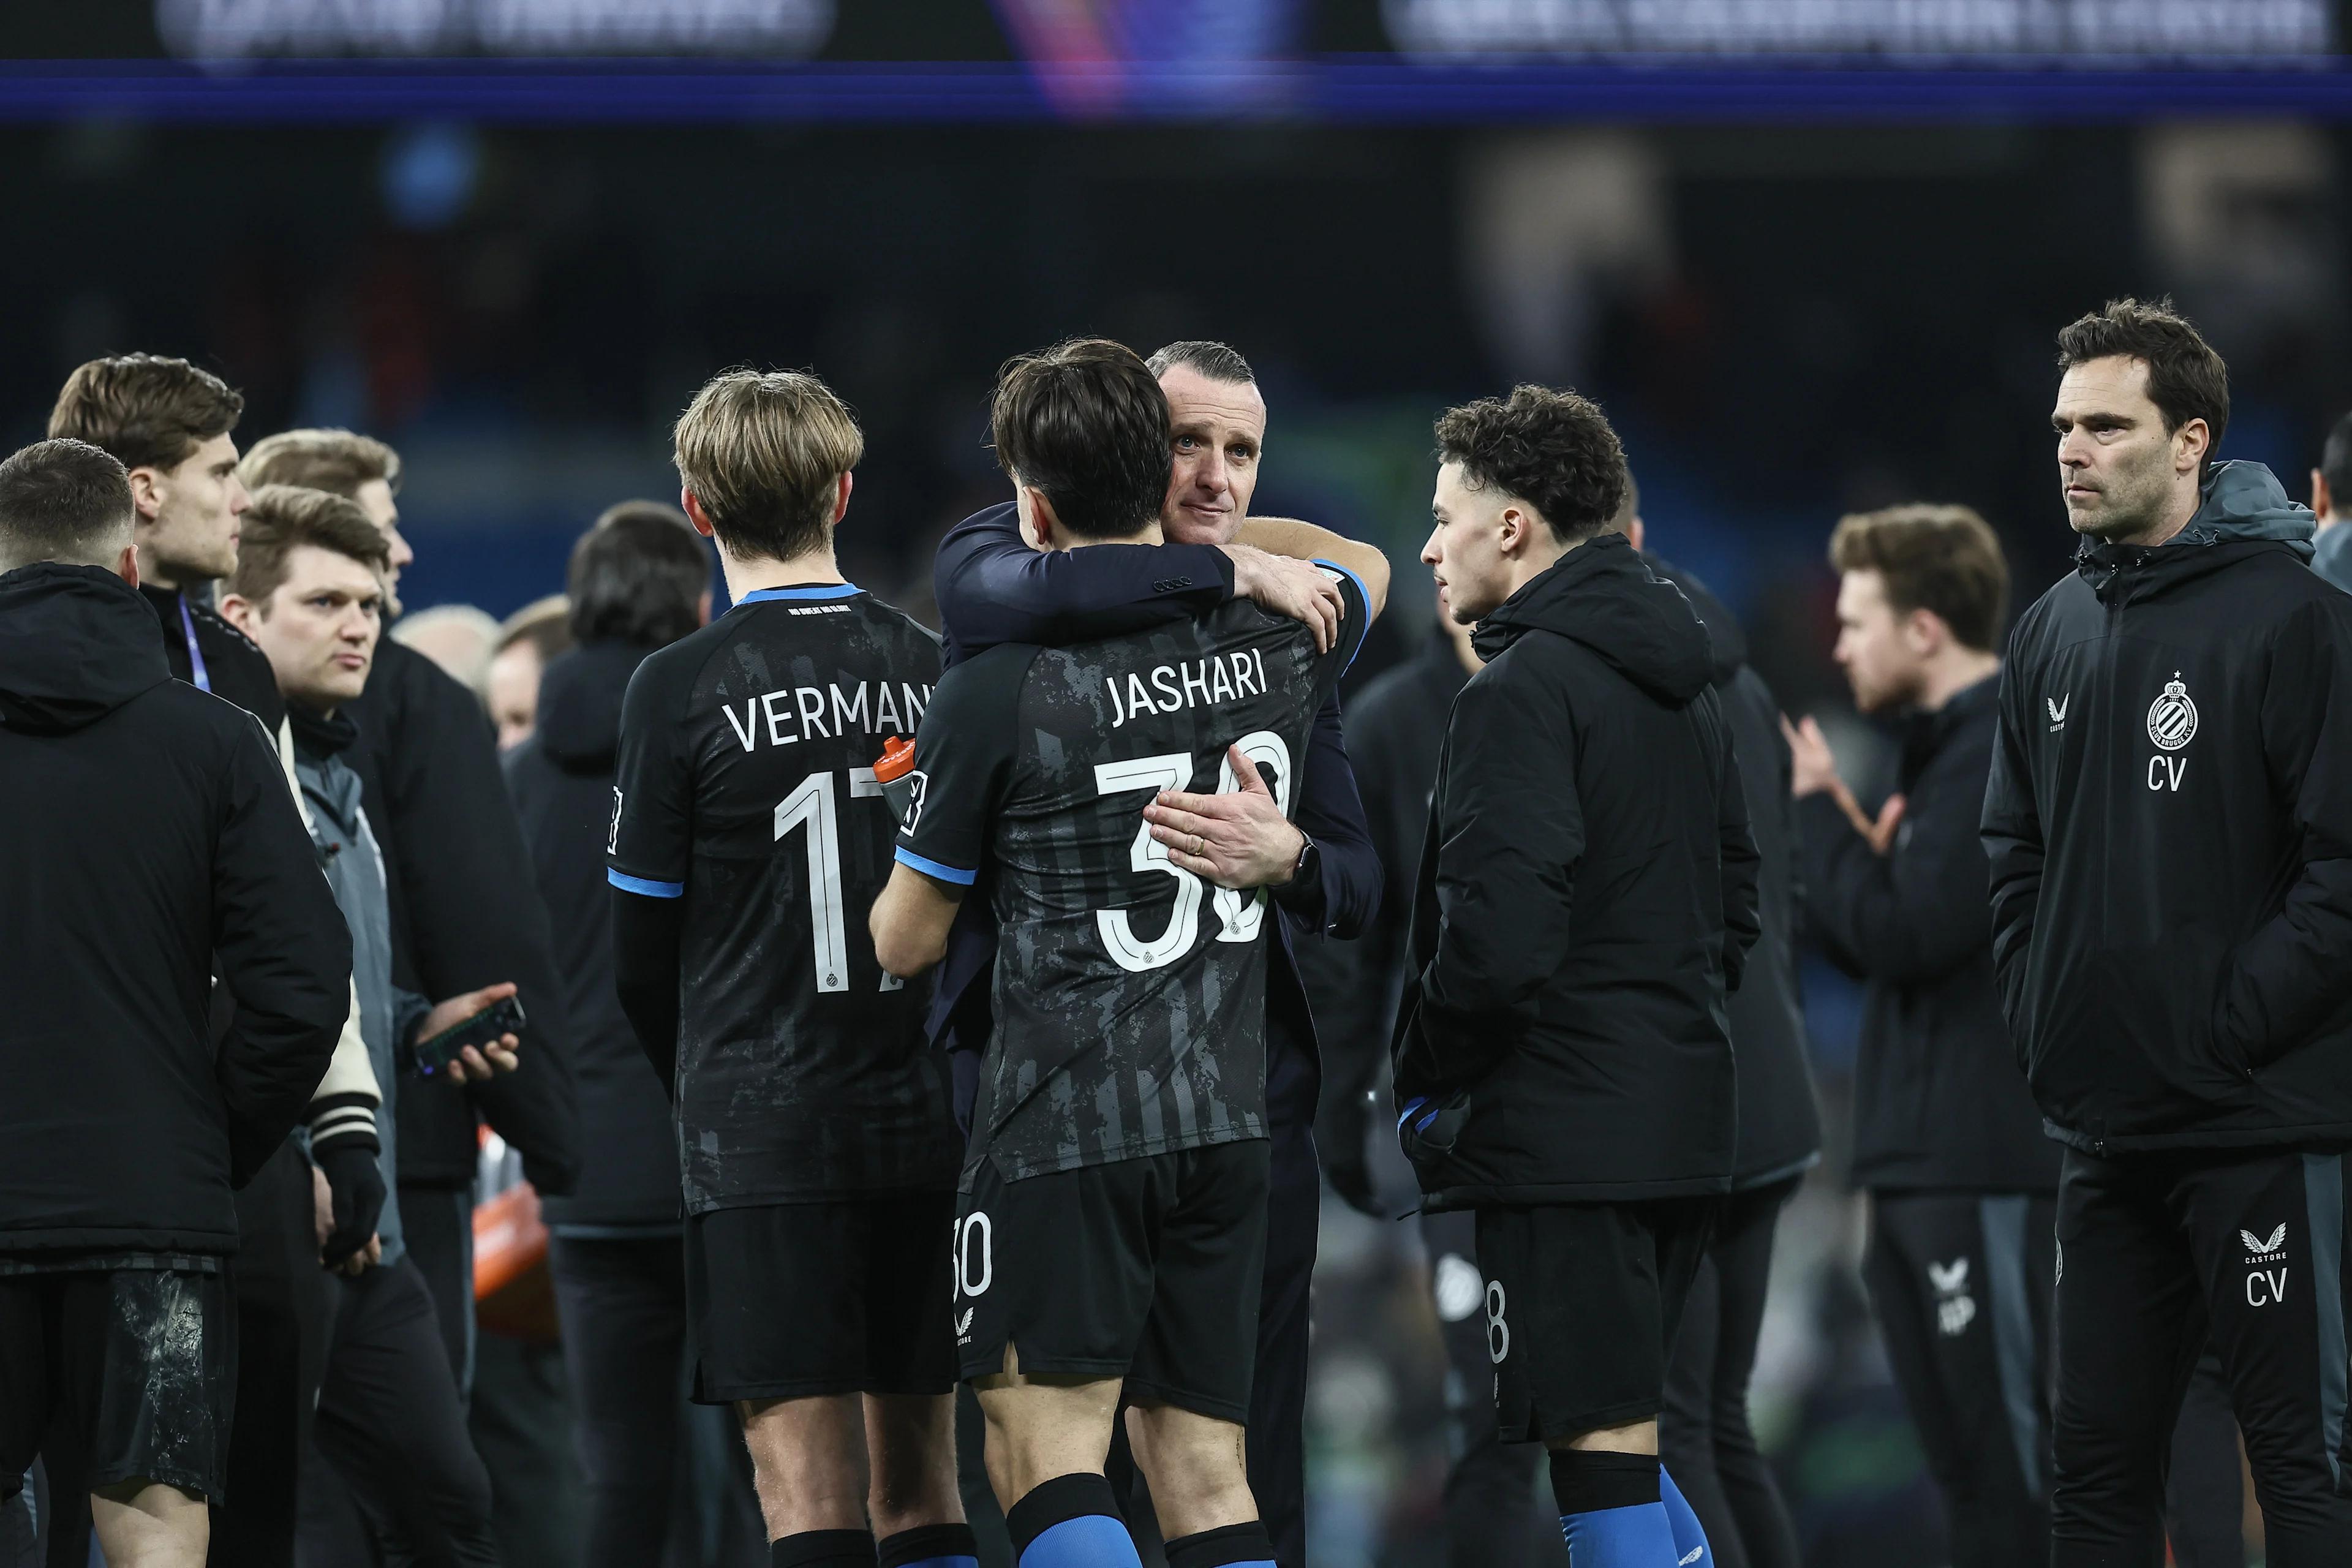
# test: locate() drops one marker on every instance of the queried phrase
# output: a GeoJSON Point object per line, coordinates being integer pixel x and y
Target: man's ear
{"type": "Point", "coordinates": [2194, 438]}
{"type": "Point", "coordinates": [239, 612]}
{"type": "Point", "coordinates": [841, 497]}
{"type": "Point", "coordinates": [126, 566]}
{"type": "Point", "coordinates": [2322, 503]}
{"type": "Point", "coordinates": [146, 493]}
{"type": "Point", "coordinates": [695, 515]}
{"type": "Point", "coordinates": [1926, 632]}
{"type": "Point", "coordinates": [1037, 519]}
{"type": "Point", "coordinates": [1634, 533]}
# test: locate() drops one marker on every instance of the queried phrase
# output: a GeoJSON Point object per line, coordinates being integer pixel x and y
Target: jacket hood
{"type": "Point", "coordinates": [75, 644]}
{"type": "Point", "coordinates": [1600, 594]}
{"type": "Point", "coordinates": [1723, 628]}
{"type": "Point", "coordinates": [2245, 501]}
{"type": "Point", "coordinates": [2245, 511]}
{"type": "Point", "coordinates": [580, 693]}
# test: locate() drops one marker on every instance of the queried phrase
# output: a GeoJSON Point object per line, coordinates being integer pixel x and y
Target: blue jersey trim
{"type": "Point", "coordinates": [1363, 593]}
{"type": "Point", "coordinates": [647, 886]}
{"type": "Point", "coordinates": [811, 591]}
{"type": "Point", "coordinates": [933, 868]}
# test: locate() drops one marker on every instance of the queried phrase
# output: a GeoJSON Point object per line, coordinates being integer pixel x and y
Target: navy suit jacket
{"type": "Point", "coordinates": [993, 588]}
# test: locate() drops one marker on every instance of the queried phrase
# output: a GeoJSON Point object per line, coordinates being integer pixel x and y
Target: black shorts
{"type": "Point", "coordinates": [845, 1295]}
{"type": "Point", "coordinates": [1146, 1270]}
{"type": "Point", "coordinates": [116, 1374]}
{"type": "Point", "coordinates": [1582, 1301]}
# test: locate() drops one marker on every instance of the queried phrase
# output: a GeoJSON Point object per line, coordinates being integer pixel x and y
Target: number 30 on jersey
{"type": "Point", "coordinates": [1240, 914]}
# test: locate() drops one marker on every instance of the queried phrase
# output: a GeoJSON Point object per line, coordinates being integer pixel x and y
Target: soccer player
{"type": "Point", "coordinates": [817, 1145]}
{"type": "Point", "coordinates": [1114, 1209]}
{"type": "Point", "coordinates": [2169, 822]}
{"type": "Point", "coordinates": [1586, 897]}
{"type": "Point", "coordinates": [1319, 870]}
{"type": "Point", "coordinates": [1947, 1140]}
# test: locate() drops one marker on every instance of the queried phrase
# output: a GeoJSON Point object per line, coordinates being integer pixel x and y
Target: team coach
{"type": "Point", "coordinates": [2169, 822]}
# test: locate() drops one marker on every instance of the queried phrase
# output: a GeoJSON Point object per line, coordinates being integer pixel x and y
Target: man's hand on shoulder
{"type": "Point", "coordinates": [1237, 839]}
{"type": "Point", "coordinates": [1285, 587]}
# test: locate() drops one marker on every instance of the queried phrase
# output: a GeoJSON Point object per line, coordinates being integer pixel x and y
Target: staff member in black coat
{"type": "Point", "coordinates": [1947, 1140]}
{"type": "Point", "coordinates": [639, 580]}
{"type": "Point", "coordinates": [2169, 820]}
{"type": "Point", "coordinates": [465, 913]}
{"type": "Point", "coordinates": [149, 839]}
{"type": "Point", "coordinates": [1586, 898]}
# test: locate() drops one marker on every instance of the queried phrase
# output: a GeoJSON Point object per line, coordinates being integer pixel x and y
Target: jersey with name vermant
{"type": "Point", "coordinates": [745, 788]}
{"type": "Point", "coordinates": [1129, 996]}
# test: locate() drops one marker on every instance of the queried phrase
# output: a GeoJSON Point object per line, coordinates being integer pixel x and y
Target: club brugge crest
{"type": "Point", "coordinates": [2172, 718]}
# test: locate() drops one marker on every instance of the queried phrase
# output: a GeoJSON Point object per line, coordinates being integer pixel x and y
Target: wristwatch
{"type": "Point", "coordinates": [1310, 858]}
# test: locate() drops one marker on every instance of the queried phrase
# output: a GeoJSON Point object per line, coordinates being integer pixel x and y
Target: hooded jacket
{"type": "Point", "coordinates": [355, 865]}
{"type": "Point", "coordinates": [466, 913]}
{"type": "Point", "coordinates": [147, 841]}
{"type": "Point", "coordinates": [1940, 1104]}
{"type": "Point", "coordinates": [1780, 1124]}
{"type": "Point", "coordinates": [561, 780]}
{"type": "Point", "coordinates": [2169, 821]}
{"type": "Point", "coordinates": [1586, 897]}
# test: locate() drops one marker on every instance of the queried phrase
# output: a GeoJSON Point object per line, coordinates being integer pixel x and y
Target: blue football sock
{"type": "Point", "coordinates": [1089, 1540]}
{"type": "Point", "coordinates": [1070, 1521]}
{"type": "Point", "coordinates": [1611, 1511]}
{"type": "Point", "coordinates": [1636, 1536]}
{"type": "Point", "coordinates": [1691, 1549]}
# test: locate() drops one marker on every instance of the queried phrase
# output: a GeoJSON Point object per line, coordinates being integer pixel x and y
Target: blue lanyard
{"type": "Point", "coordinates": [204, 677]}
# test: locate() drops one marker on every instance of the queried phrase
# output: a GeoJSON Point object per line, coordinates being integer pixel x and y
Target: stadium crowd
{"type": "Point", "coordinates": [924, 1052]}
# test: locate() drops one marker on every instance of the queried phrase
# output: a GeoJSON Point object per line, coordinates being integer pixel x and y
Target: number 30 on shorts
{"type": "Point", "coordinates": [975, 1255]}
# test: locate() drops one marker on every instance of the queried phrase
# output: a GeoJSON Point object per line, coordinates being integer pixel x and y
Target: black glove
{"type": "Point", "coordinates": [1428, 1127]}
{"type": "Point", "coordinates": [357, 1183]}
{"type": "Point", "coordinates": [1340, 1139]}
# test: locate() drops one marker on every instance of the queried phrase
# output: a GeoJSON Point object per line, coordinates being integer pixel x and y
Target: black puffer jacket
{"type": "Point", "coordinates": [147, 839]}
{"type": "Point", "coordinates": [2170, 827]}
{"type": "Point", "coordinates": [1586, 897]}
{"type": "Point", "coordinates": [1780, 1123]}
{"type": "Point", "coordinates": [562, 783]}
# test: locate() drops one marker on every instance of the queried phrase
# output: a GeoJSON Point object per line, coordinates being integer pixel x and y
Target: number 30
{"type": "Point", "coordinates": [1240, 914]}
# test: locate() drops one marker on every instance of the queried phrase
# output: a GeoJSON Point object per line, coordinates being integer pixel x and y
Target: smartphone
{"type": "Point", "coordinates": [434, 1054]}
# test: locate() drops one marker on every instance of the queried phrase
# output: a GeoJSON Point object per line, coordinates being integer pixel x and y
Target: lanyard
{"type": "Point", "coordinates": [204, 677]}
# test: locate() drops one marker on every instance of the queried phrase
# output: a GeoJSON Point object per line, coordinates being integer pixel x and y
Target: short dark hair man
{"type": "Point", "coordinates": [1947, 1140]}
{"type": "Point", "coordinates": [2331, 503]}
{"type": "Point", "coordinates": [172, 425]}
{"type": "Point", "coordinates": [993, 586]}
{"type": "Point", "coordinates": [463, 911]}
{"type": "Point", "coordinates": [1113, 1215]}
{"type": "Point", "coordinates": [815, 1134]}
{"type": "Point", "coordinates": [640, 580]}
{"type": "Point", "coordinates": [147, 839]}
{"type": "Point", "coordinates": [307, 589]}
{"type": "Point", "coordinates": [2171, 828]}
{"type": "Point", "coordinates": [1586, 897]}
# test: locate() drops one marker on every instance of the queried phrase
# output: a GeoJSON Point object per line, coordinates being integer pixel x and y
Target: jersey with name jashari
{"type": "Point", "coordinates": [1130, 995]}
{"type": "Point", "coordinates": [745, 788]}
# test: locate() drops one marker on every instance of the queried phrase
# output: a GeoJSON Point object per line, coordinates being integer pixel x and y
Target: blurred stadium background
{"type": "Point", "coordinates": [1809, 253]}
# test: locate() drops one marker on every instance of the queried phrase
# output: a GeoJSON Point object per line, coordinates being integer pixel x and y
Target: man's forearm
{"type": "Point", "coordinates": [645, 976]}
{"type": "Point", "coordinates": [1304, 542]}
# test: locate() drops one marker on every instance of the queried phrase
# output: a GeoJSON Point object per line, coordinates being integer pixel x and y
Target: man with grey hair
{"type": "Point", "coordinates": [156, 822]}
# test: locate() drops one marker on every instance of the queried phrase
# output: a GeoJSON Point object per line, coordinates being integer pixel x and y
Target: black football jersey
{"type": "Point", "coordinates": [1130, 995]}
{"type": "Point", "coordinates": [745, 787]}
